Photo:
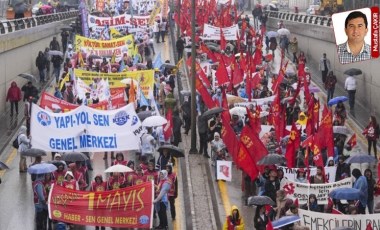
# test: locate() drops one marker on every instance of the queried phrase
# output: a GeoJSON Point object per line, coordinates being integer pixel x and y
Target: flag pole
{"type": "Point", "coordinates": [193, 148]}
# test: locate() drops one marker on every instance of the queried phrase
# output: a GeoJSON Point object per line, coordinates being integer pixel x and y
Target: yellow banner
{"type": "Point", "coordinates": [102, 48]}
{"type": "Point", "coordinates": [144, 77]}
{"type": "Point", "coordinates": [155, 11]}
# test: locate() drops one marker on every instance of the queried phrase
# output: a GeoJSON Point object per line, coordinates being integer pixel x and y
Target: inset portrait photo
{"type": "Point", "coordinates": [353, 35]}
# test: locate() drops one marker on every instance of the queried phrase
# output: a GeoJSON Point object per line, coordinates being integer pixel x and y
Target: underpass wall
{"type": "Point", "coordinates": [18, 52]}
{"type": "Point", "coordinates": [315, 40]}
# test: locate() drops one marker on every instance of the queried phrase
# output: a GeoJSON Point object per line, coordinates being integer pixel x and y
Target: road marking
{"type": "Point", "coordinates": [225, 197]}
{"type": "Point", "coordinates": [9, 160]}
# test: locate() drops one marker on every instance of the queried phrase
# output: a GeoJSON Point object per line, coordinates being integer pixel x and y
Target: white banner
{"type": "Point", "coordinates": [224, 170]}
{"type": "Point", "coordinates": [258, 101]}
{"type": "Point", "coordinates": [213, 33]}
{"type": "Point", "coordinates": [301, 191]}
{"type": "Point", "coordinates": [86, 130]}
{"type": "Point", "coordinates": [328, 221]}
{"type": "Point", "coordinates": [124, 21]}
{"type": "Point", "coordinates": [291, 173]}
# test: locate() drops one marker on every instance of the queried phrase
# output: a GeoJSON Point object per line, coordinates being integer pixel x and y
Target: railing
{"type": "Point", "coordinates": [9, 26]}
{"type": "Point", "coordinates": [301, 18]}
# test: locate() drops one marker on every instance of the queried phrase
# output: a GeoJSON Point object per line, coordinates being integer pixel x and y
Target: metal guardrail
{"type": "Point", "coordinates": [9, 26]}
{"type": "Point", "coordinates": [302, 18]}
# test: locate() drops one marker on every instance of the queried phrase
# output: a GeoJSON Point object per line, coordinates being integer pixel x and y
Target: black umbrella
{"type": "Point", "coordinates": [74, 156]}
{"type": "Point", "coordinates": [173, 150]}
{"type": "Point", "coordinates": [93, 56]}
{"type": "Point", "coordinates": [353, 72]}
{"type": "Point", "coordinates": [27, 76]}
{"type": "Point", "coordinates": [260, 200]}
{"type": "Point", "coordinates": [144, 114]}
{"type": "Point", "coordinates": [168, 66]}
{"type": "Point", "coordinates": [213, 111]}
{"type": "Point", "coordinates": [33, 152]}
{"type": "Point", "coordinates": [272, 159]}
{"type": "Point", "coordinates": [3, 165]}
{"type": "Point", "coordinates": [67, 28]}
{"type": "Point", "coordinates": [360, 158]}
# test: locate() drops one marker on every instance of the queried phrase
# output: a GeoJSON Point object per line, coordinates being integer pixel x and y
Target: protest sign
{"type": "Point", "coordinates": [145, 78]}
{"type": "Point", "coordinates": [301, 191]}
{"type": "Point", "coordinates": [130, 207]}
{"type": "Point", "coordinates": [122, 22]}
{"type": "Point", "coordinates": [291, 173]}
{"type": "Point", "coordinates": [224, 170]}
{"type": "Point", "coordinates": [213, 33]}
{"type": "Point", "coordinates": [328, 221]}
{"type": "Point", "coordinates": [102, 48]}
{"type": "Point", "coordinates": [85, 129]}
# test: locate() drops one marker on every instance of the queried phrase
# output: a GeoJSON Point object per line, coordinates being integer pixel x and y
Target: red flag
{"type": "Point", "coordinates": [317, 156]}
{"type": "Point", "coordinates": [245, 162]}
{"type": "Point", "coordinates": [206, 97]}
{"type": "Point", "coordinates": [292, 146]}
{"type": "Point", "coordinates": [228, 135]}
{"type": "Point", "coordinates": [316, 114]}
{"type": "Point", "coordinates": [221, 74]}
{"type": "Point", "coordinates": [254, 120]}
{"type": "Point", "coordinates": [202, 75]}
{"type": "Point", "coordinates": [325, 132]}
{"type": "Point", "coordinates": [223, 42]}
{"type": "Point", "coordinates": [242, 62]}
{"type": "Point", "coordinates": [237, 75]}
{"type": "Point", "coordinates": [253, 144]}
{"type": "Point", "coordinates": [352, 141]}
{"type": "Point", "coordinates": [336, 211]}
{"type": "Point", "coordinates": [256, 79]}
{"type": "Point", "coordinates": [307, 142]}
{"type": "Point", "coordinates": [369, 226]}
{"type": "Point", "coordinates": [296, 202]}
{"type": "Point", "coordinates": [209, 53]}
{"type": "Point", "coordinates": [306, 89]}
{"type": "Point", "coordinates": [248, 86]}
{"type": "Point", "coordinates": [168, 128]}
{"type": "Point", "coordinates": [278, 81]}
{"type": "Point", "coordinates": [224, 99]}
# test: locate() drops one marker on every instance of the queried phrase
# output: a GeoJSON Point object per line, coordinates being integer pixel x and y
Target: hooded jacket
{"type": "Point", "coordinates": [14, 93]}
{"type": "Point", "coordinates": [234, 223]}
{"type": "Point", "coordinates": [23, 140]}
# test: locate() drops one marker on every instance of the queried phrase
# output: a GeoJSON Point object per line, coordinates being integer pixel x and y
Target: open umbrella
{"type": "Point", "coordinates": [272, 159]}
{"type": "Point", "coordinates": [346, 194]}
{"type": "Point", "coordinates": [286, 220]}
{"type": "Point", "coordinates": [27, 76]}
{"type": "Point", "coordinates": [213, 111]}
{"type": "Point", "coordinates": [360, 158]}
{"type": "Point", "coordinates": [129, 80]}
{"type": "Point", "coordinates": [74, 156]}
{"type": "Point", "coordinates": [93, 56]}
{"type": "Point", "coordinates": [272, 34]}
{"type": "Point", "coordinates": [336, 100]}
{"type": "Point", "coordinates": [185, 93]}
{"type": "Point", "coordinates": [314, 89]}
{"type": "Point", "coordinates": [260, 200]}
{"type": "Point", "coordinates": [283, 31]}
{"type": "Point", "coordinates": [341, 130]}
{"type": "Point", "coordinates": [66, 28]}
{"type": "Point", "coordinates": [118, 168]}
{"type": "Point", "coordinates": [154, 121]}
{"type": "Point", "coordinates": [33, 152]}
{"type": "Point", "coordinates": [174, 151]}
{"type": "Point", "coordinates": [144, 114]}
{"type": "Point", "coordinates": [3, 165]}
{"type": "Point", "coordinates": [353, 72]}
{"type": "Point", "coordinates": [42, 168]}
{"type": "Point", "coordinates": [55, 52]}
{"type": "Point", "coordinates": [240, 111]}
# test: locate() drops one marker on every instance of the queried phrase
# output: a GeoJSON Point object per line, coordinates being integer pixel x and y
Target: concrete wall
{"type": "Point", "coordinates": [18, 52]}
{"type": "Point", "coordinates": [315, 40]}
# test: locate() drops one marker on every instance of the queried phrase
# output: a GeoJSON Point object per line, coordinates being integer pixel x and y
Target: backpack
{"type": "Point", "coordinates": [15, 143]}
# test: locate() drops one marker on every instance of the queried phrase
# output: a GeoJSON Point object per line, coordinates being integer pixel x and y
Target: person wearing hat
{"type": "Point", "coordinates": [301, 176]}
{"type": "Point", "coordinates": [70, 182]}
{"type": "Point", "coordinates": [161, 199]}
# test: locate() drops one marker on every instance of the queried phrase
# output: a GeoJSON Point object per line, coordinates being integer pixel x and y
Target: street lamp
{"type": "Point", "coordinates": [193, 148]}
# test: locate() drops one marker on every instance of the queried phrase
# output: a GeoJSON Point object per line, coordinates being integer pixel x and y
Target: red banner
{"type": "Point", "coordinates": [53, 103]}
{"type": "Point", "coordinates": [130, 207]}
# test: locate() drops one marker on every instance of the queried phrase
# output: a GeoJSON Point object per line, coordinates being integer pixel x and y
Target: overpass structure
{"type": "Point", "coordinates": [315, 36]}
{"type": "Point", "coordinates": [20, 42]}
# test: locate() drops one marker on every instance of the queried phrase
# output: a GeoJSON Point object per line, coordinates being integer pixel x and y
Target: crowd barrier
{"type": "Point", "coordinates": [302, 18]}
{"type": "Point", "coordinates": [9, 26]}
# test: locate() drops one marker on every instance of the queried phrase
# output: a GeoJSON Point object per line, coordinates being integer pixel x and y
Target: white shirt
{"type": "Point", "coordinates": [350, 83]}
{"type": "Point", "coordinates": [146, 144]}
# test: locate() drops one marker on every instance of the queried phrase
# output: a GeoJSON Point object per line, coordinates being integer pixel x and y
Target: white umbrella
{"type": "Point", "coordinates": [118, 168]}
{"type": "Point", "coordinates": [283, 31]}
{"type": "Point", "coordinates": [129, 81]}
{"type": "Point", "coordinates": [240, 111]}
{"type": "Point", "coordinates": [271, 34]}
{"type": "Point", "coordinates": [55, 52]}
{"type": "Point", "coordinates": [153, 121]}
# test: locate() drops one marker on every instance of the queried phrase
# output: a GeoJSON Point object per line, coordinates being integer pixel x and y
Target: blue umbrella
{"type": "Point", "coordinates": [42, 168]}
{"type": "Point", "coordinates": [346, 194]}
{"type": "Point", "coordinates": [360, 158]}
{"type": "Point", "coordinates": [286, 220]}
{"type": "Point", "coordinates": [336, 100]}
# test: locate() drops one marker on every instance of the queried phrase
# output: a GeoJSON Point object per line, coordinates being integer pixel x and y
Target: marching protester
{"type": "Point", "coordinates": [372, 133]}
{"type": "Point", "coordinates": [161, 203]}
{"type": "Point", "coordinates": [24, 144]}
{"type": "Point", "coordinates": [234, 221]}
{"type": "Point", "coordinates": [14, 96]}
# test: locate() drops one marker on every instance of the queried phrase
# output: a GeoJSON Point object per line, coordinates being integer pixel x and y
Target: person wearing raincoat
{"type": "Point", "coordinates": [234, 221]}
{"type": "Point", "coordinates": [24, 144]}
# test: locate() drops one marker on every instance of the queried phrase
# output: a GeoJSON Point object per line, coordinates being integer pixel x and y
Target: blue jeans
{"type": "Point", "coordinates": [56, 71]}
{"type": "Point", "coordinates": [330, 94]}
{"type": "Point", "coordinates": [42, 75]}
